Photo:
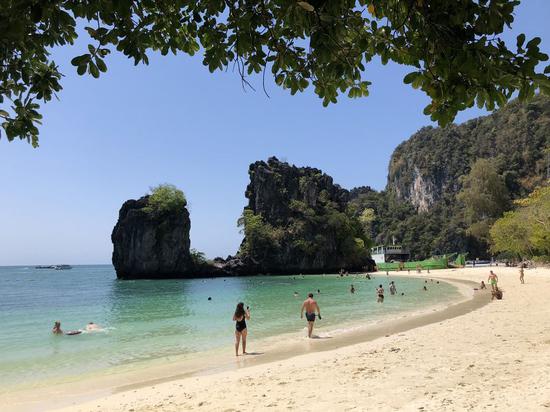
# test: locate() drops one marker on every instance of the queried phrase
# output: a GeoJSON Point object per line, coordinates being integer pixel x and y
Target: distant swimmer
{"type": "Point", "coordinates": [57, 328]}
{"type": "Point", "coordinates": [393, 289]}
{"type": "Point", "coordinates": [380, 293]}
{"type": "Point", "coordinates": [92, 327]}
{"type": "Point", "coordinates": [368, 276]}
{"type": "Point", "coordinates": [310, 306]}
{"type": "Point", "coordinates": [240, 317]}
{"type": "Point", "coordinates": [521, 274]}
{"type": "Point", "coordinates": [209, 297]}
{"type": "Point", "coordinates": [295, 294]}
{"type": "Point", "coordinates": [425, 288]}
{"type": "Point", "coordinates": [319, 291]}
{"type": "Point", "coordinates": [352, 289]}
{"type": "Point", "coordinates": [493, 280]}
{"type": "Point", "coordinates": [402, 293]}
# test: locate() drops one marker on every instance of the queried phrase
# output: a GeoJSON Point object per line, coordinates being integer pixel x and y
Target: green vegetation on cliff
{"type": "Point", "coordinates": [297, 219]}
{"type": "Point", "coordinates": [165, 198]}
{"type": "Point", "coordinates": [421, 206]}
{"type": "Point", "coordinates": [525, 231]}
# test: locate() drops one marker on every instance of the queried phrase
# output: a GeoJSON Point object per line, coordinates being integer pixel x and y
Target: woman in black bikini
{"type": "Point", "coordinates": [240, 317]}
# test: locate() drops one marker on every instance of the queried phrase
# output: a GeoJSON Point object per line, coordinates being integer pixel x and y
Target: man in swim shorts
{"type": "Point", "coordinates": [493, 280]}
{"type": "Point", "coordinates": [310, 306]}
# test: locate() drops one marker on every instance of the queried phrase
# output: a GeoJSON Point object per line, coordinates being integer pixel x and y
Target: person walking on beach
{"type": "Point", "coordinates": [240, 317]}
{"type": "Point", "coordinates": [310, 306]}
{"type": "Point", "coordinates": [393, 289]}
{"type": "Point", "coordinates": [380, 293]}
{"type": "Point", "coordinates": [521, 275]}
{"type": "Point", "coordinates": [493, 280]}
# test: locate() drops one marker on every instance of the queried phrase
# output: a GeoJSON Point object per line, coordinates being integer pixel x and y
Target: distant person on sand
{"type": "Point", "coordinates": [497, 293]}
{"type": "Point", "coordinates": [493, 280]}
{"type": "Point", "coordinates": [352, 289]}
{"type": "Point", "coordinates": [393, 289]}
{"type": "Point", "coordinates": [521, 274]}
{"type": "Point", "coordinates": [57, 328]}
{"type": "Point", "coordinates": [240, 317]}
{"type": "Point", "coordinates": [380, 293]}
{"type": "Point", "coordinates": [310, 306]}
{"type": "Point", "coordinates": [483, 285]}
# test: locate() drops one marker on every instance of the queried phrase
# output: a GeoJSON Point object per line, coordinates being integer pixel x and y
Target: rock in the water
{"type": "Point", "coordinates": [151, 245]}
{"type": "Point", "coordinates": [297, 221]}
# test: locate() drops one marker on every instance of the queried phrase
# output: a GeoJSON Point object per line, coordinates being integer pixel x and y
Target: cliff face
{"type": "Point", "coordinates": [296, 221]}
{"type": "Point", "coordinates": [428, 166]}
{"type": "Point", "coordinates": [149, 245]}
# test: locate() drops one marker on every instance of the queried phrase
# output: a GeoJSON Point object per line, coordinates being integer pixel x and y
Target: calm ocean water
{"type": "Point", "coordinates": [146, 320]}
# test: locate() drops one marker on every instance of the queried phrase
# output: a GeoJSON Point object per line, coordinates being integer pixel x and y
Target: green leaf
{"type": "Point", "coordinates": [101, 65]}
{"type": "Point", "coordinates": [520, 40]}
{"type": "Point", "coordinates": [93, 70]}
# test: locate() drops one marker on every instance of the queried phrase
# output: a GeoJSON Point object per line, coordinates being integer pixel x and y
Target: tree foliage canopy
{"type": "Point", "coordinates": [484, 197]}
{"type": "Point", "coordinates": [165, 198]}
{"type": "Point", "coordinates": [454, 48]}
{"type": "Point", "coordinates": [525, 232]}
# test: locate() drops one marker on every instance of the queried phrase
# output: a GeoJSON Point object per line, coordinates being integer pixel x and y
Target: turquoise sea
{"type": "Point", "coordinates": [146, 320]}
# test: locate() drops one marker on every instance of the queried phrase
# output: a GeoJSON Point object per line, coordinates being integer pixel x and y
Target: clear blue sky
{"type": "Point", "coordinates": [109, 140]}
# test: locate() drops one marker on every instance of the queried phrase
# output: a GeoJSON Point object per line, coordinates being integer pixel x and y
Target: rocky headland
{"type": "Point", "coordinates": [150, 243]}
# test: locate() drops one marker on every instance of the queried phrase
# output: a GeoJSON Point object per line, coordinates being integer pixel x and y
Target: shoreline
{"type": "Point", "coordinates": [165, 371]}
{"type": "Point", "coordinates": [494, 358]}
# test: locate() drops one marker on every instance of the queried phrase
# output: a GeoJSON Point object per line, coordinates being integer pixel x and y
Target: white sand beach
{"type": "Point", "coordinates": [496, 357]}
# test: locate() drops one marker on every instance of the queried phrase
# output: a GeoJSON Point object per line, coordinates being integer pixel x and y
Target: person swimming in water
{"type": "Point", "coordinates": [310, 306]}
{"type": "Point", "coordinates": [380, 293]}
{"type": "Point", "coordinates": [240, 317]}
{"type": "Point", "coordinates": [57, 328]}
{"type": "Point", "coordinates": [93, 327]}
{"type": "Point", "coordinates": [352, 289]}
{"type": "Point", "coordinates": [58, 331]}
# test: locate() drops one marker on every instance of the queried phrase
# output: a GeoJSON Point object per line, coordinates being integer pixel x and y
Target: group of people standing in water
{"type": "Point", "coordinates": [310, 308]}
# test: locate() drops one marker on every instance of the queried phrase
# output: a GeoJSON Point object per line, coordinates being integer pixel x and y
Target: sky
{"type": "Point", "coordinates": [110, 139]}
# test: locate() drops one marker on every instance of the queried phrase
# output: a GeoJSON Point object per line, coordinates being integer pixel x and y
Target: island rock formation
{"type": "Point", "coordinates": [297, 221]}
{"type": "Point", "coordinates": [151, 245]}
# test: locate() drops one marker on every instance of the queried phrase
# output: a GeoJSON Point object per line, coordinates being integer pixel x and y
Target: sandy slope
{"type": "Point", "coordinates": [495, 358]}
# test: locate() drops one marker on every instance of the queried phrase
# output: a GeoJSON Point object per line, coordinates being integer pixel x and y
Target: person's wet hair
{"type": "Point", "coordinates": [310, 295]}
